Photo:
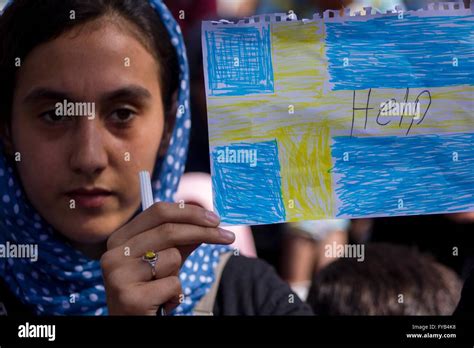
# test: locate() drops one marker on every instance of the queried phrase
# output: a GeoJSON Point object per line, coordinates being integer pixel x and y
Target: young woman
{"type": "Point", "coordinates": [69, 184]}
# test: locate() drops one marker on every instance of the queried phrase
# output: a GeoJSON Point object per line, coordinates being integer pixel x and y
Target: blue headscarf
{"type": "Point", "coordinates": [63, 281]}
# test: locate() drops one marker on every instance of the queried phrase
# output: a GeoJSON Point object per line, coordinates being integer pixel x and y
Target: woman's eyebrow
{"type": "Point", "coordinates": [41, 93]}
{"type": "Point", "coordinates": [127, 92]}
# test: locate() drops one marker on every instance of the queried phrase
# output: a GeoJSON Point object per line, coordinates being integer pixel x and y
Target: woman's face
{"type": "Point", "coordinates": [81, 172]}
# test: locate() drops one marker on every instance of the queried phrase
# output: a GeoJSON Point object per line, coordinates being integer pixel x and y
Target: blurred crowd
{"type": "Point", "coordinates": [412, 265]}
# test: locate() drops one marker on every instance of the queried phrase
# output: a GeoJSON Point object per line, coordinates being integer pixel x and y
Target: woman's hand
{"type": "Point", "coordinates": [172, 231]}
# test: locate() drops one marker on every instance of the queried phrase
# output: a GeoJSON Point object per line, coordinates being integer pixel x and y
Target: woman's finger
{"type": "Point", "coordinates": [172, 303]}
{"type": "Point", "coordinates": [117, 257]}
{"type": "Point", "coordinates": [160, 213]}
{"type": "Point", "coordinates": [175, 235]}
{"type": "Point", "coordinates": [172, 292]}
{"type": "Point", "coordinates": [146, 298]}
{"type": "Point", "coordinates": [135, 270]}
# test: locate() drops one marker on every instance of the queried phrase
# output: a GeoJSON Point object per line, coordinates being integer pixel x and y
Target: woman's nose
{"type": "Point", "coordinates": [88, 151]}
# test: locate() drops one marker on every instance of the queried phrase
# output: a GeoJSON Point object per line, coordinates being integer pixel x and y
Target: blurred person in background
{"type": "Point", "coordinates": [448, 237]}
{"type": "Point", "coordinates": [392, 280]}
{"type": "Point", "coordinates": [190, 12]}
{"type": "Point", "coordinates": [304, 250]}
{"type": "Point", "coordinates": [306, 8]}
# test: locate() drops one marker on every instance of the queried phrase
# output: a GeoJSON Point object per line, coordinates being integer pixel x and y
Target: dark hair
{"type": "Point", "coordinates": [373, 286]}
{"type": "Point", "coordinates": [26, 24]}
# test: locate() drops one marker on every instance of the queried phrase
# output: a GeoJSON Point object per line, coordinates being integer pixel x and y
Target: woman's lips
{"type": "Point", "coordinates": [94, 198]}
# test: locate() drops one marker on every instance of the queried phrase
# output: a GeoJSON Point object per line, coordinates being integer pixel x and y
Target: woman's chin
{"type": "Point", "coordinates": [93, 231]}
{"type": "Point", "coordinates": [80, 227]}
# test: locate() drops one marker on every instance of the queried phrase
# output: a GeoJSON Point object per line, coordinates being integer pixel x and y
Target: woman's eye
{"type": "Point", "coordinates": [122, 115]}
{"type": "Point", "coordinates": [51, 117]}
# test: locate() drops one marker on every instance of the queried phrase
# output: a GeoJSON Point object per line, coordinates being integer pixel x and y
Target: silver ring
{"type": "Point", "coordinates": [151, 257]}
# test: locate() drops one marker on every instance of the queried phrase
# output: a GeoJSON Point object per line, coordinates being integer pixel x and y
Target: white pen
{"type": "Point", "coordinates": [147, 200]}
{"type": "Point", "coordinates": [145, 190]}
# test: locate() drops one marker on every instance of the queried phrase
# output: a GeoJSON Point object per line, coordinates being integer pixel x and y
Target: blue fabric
{"type": "Point", "coordinates": [60, 270]}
